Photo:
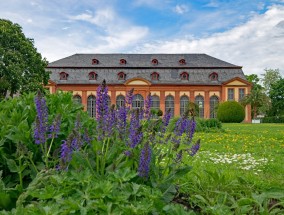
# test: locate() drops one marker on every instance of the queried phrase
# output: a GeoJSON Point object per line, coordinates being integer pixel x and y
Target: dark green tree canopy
{"type": "Point", "coordinates": [22, 68]}
{"type": "Point", "coordinates": [276, 95]}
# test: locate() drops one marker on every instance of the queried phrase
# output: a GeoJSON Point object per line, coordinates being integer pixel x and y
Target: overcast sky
{"type": "Point", "coordinates": [248, 33]}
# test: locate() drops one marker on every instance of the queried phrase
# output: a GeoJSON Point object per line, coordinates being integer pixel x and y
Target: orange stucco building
{"type": "Point", "coordinates": [172, 79]}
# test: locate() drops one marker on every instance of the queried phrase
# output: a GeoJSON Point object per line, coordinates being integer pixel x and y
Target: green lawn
{"type": "Point", "coordinates": [237, 167]}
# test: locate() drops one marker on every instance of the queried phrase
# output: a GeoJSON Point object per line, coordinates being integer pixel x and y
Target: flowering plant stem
{"type": "Point", "coordinates": [47, 154]}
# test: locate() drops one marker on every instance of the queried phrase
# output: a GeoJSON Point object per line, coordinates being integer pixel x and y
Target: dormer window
{"type": "Point", "coordinates": [95, 61]}
{"type": "Point", "coordinates": [213, 76]}
{"type": "Point", "coordinates": [122, 61]}
{"type": "Point", "coordinates": [155, 62]}
{"type": "Point", "coordinates": [155, 76]}
{"type": "Point", "coordinates": [184, 76]}
{"type": "Point", "coordinates": [92, 76]}
{"type": "Point", "coordinates": [182, 62]}
{"type": "Point", "coordinates": [121, 76]}
{"type": "Point", "coordinates": [63, 75]}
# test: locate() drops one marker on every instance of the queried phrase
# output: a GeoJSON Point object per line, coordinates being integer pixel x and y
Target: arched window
{"type": "Point", "coordinates": [199, 101]}
{"type": "Point", "coordinates": [214, 101]}
{"type": "Point", "coordinates": [91, 106]}
{"type": "Point", "coordinates": [155, 76]}
{"type": "Point", "coordinates": [155, 62]}
{"type": "Point", "coordinates": [138, 101]}
{"type": "Point", "coordinates": [184, 102]}
{"type": "Point", "coordinates": [170, 104]}
{"type": "Point", "coordinates": [92, 76]}
{"type": "Point", "coordinates": [121, 76]}
{"type": "Point", "coordinates": [184, 76]}
{"type": "Point", "coordinates": [63, 75]}
{"type": "Point", "coordinates": [122, 61]}
{"type": "Point", "coordinates": [213, 76]}
{"type": "Point", "coordinates": [77, 99]}
{"type": "Point", "coordinates": [95, 61]}
{"type": "Point", "coordinates": [120, 101]}
{"type": "Point", "coordinates": [182, 62]}
{"type": "Point", "coordinates": [155, 104]}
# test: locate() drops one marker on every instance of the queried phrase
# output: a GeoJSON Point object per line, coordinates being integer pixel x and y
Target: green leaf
{"type": "Point", "coordinates": [12, 165]}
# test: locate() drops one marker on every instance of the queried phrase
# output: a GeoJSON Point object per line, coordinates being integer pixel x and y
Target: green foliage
{"type": "Point", "coordinates": [254, 79]}
{"type": "Point", "coordinates": [276, 95]}
{"type": "Point", "coordinates": [208, 125]}
{"type": "Point", "coordinates": [230, 111]}
{"type": "Point", "coordinates": [20, 157]}
{"type": "Point", "coordinates": [273, 119]}
{"type": "Point", "coordinates": [269, 78]}
{"type": "Point", "coordinates": [202, 125]}
{"type": "Point", "coordinates": [22, 68]}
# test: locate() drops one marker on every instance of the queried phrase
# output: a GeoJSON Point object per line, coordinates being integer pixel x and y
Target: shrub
{"type": "Point", "coordinates": [273, 119]}
{"type": "Point", "coordinates": [230, 111]}
{"type": "Point", "coordinates": [202, 125]}
{"type": "Point", "coordinates": [208, 125]}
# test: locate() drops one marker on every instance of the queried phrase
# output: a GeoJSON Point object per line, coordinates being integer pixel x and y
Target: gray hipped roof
{"type": "Point", "coordinates": [198, 66]}
{"type": "Point", "coordinates": [141, 60]}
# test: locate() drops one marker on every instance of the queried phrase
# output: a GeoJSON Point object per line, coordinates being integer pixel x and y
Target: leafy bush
{"type": "Point", "coordinates": [20, 157]}
{"type": "Point", "coordinates": [273, 119]}
{"type": "Point", "coordinates": [231, 111]}
{"type": "Point", "coordinates": [208, 125]}
{"type": "Point", "coordinates": [202, 125]}
{"type": "Point", "coordinates": [140, 148]}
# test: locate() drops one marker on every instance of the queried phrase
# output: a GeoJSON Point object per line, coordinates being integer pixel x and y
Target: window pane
{"type": "Point", "coordinates": [120, 101]}
{"type": "Point", "coordinates": [213, 105]}
{"type": "Point", "coordinates": [241, 93]}
{"type": "Point", "coordinates": [77, 99]}
{"type": "Point", "coordinates": [91, 106]}
{"type": "Point", "coordinates": [155, 104]}
{"type": "Point", "coordinates": [231, 94]}
{"type": "Point", "coordinates": [184, 102]}
{"type": "Point", "coordinates": [199, 100]}
{"type": "Point", "coordinates": [170, 104]}
{"type": "Point", "coordinates": [138, 101]}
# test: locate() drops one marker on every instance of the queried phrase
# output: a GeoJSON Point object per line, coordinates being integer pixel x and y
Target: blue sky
{"type": "Point", "coordinates": [248, 33]}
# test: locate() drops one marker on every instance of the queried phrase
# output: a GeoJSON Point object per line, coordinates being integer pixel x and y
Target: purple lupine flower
{"type": "Point", "coordinates": [167, 117]}
{"type": "Point", "coordinates": [111, 121]}
{"type": "Point", "coordinates": [194, 149]}
{"type": "Point", "coordinates": [144, 162]}
{"type": "Point", "coordinates": [121, 121]}
{"type": "Point", "coordinates": [148, 102]}
{"type": "Point", "coordinates": [66, 152]}
{"type": "Point", "coordinates": [192, 128]}
{"type": "Point", "coordinates": [86, 137]}
{"type": "Point", "coordinates": [78, 124]}
{"type": "Point", "coordinates": [179, 156]}
{"type": "Point", "coordinates": [135, 130]}
{"type": "Point", "coordinates": [141, 113]}
{"type": "Point", "coordinates": [102, 109]}
{"type": "Point", "coordinates": [54, 129]}
{"type": "Point", "coordinates": [41, 123]}
{"type": "Point", "coordinates": [129, 97]}
{"type": "Point", "coordinates": [127, 153]}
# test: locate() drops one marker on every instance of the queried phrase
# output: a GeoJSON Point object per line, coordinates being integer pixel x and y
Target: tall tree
{"type": "Point", "coordinates": [254, 79]}
{"type": "Point", "coordinates": [276, 95]}
{"type": "Point", "coordinates": [257, 99]}
{"type": "Point", "coordinates": [22, 68]}
{"type": "Point", "coordinates": [269, 77]}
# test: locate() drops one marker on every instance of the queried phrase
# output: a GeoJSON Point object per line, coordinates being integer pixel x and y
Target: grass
{"type": "Point", "coordinates": [236, 169]}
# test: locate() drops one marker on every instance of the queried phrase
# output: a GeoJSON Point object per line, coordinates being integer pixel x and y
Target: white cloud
{"type": "Point", "coordinates": [255, 45]}
{"type": "Point", "coordinates": [180, 9]}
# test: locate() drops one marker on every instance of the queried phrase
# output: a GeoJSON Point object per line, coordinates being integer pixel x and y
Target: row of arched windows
{"type": "Point", "coordinates": [138, 102]}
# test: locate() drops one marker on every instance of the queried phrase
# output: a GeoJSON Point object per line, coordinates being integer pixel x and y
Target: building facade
{"type": "Point", "coordinates": [173, 80]}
